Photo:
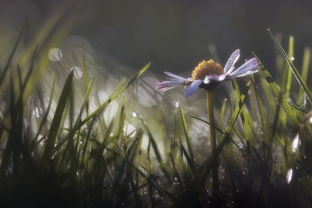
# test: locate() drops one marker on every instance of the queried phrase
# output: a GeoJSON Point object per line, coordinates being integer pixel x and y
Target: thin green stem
{"type": "Point", "coordinates": [213, 141]}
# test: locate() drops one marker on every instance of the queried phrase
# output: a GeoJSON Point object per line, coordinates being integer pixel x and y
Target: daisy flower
{"type": "Point", "coordinates": [209, 74]}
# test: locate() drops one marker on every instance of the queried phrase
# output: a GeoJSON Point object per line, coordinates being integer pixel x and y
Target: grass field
{"type": "Point", "coordinates": [68, 139]}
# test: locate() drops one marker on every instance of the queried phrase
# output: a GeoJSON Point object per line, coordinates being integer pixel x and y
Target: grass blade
{"type": "Point", "coordinates": [50, 142]}
{"type": "Point", "coordinates": [293, 68]}
{"type": "Point", "coordinates": [186, 133]}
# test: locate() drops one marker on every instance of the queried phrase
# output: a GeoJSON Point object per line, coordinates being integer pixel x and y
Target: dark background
{"type": "Point", "coordinates": [176, 34]}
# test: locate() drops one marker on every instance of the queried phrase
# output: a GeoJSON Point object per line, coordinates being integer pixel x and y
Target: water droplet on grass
{"type": "Point", "coordinates": [134, 114]}
{"type": "Point", "coordinates": [55, 54]}
{"type": "Point", "coordinates": [289, 175]}
{"type": "Point", "coordinates": [295, 143]}
{"type": "Point", "coordinates": [77, 72]}
{"type": "Point", "coordinates": [177, 104]}
{"type": "Point", "coordinates": [37, 112]}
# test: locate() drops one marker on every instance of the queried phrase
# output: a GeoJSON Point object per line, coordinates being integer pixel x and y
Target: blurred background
{"type": "Point", "coordinates": [172, 34]}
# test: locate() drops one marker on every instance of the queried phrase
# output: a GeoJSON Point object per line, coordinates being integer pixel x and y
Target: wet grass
{"type": "Point", "coordinates": [59, 151]}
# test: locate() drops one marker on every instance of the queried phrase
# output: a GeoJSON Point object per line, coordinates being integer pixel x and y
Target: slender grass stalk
{"type": "Point", "coordinates": [289, 75]}
{"type": "Point", "coordinates": [213, 142]}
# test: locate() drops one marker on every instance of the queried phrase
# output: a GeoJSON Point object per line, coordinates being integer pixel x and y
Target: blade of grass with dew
{"type": "Point", "coordinates": [277, 92]}
{"type": "Point", "coordinates": [293, 68]}
{"type": "Point", "coordinates": [50, 142]}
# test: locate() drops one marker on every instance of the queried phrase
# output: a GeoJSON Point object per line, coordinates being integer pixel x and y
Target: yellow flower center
{"type": "Point", "coordinates": [205, 68]}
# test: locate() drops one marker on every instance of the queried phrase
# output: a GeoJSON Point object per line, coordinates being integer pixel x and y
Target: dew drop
{"type": "Point", "coordinates": [240, 145]}
{"type": "Point", "coordinates": [37, 112]}
{"type": "Point", "coordinates": [77, 72]}
{"type": "Point", "coordinates": [55, 54]}
{"type": "Point", "coordinates": [295, 143]}
{"type": "Point", "coordinates": [134, 114]}
{"type": "Point", "coordinates": [177, 104]}
{"type": "Point", "coordinates": [289, 175]}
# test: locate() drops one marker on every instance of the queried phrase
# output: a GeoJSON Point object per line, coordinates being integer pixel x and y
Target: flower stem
{"type": "Point", "coordinates": [213, 142]}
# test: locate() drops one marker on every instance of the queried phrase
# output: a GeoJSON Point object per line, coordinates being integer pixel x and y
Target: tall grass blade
{"type": "Point", "coordinates": [293, 68]}
{"type": "Point", "coordinates": [288, 82]}
{"type": "Point", "coordinates": [50, 142]}
{"type": "Point", "coordinates": [186, 133]}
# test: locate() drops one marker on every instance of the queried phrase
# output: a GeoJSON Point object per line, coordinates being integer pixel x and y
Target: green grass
{"type": "Point", "coordinates": [59, 151]}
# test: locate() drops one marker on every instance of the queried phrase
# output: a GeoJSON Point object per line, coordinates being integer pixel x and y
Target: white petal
{"type": "Point", "coordinates": [250, 67]}
{"type": "Point", "coordinates": [189, 90]}
{"type": "Point", "coordinates": [229, 66]}
{"type": "Point", "coordinates": [174, 81]}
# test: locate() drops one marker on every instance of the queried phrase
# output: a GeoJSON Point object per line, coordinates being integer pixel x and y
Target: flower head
{"type": "Point", "coordinates": [209, 74]}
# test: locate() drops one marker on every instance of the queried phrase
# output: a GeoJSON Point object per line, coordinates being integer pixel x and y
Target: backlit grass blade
{"type": "Point", "coordinates": [50, 142]}
{"type": "Point", "coordinates": [77, 125]}
{"type": "Point", "coordinates": [293, 68]}
{"type": "Point", "coordinates": [304, 73]}
{"type": "Point", "coordinates": [306, 64]}
{"type": "Point", "coordinates": [186, 133]}
{"type": "Point", "coordinates": [289, 73]}
{"type": "Point", "coordinates": [44, 118]}
{"type": "Point", "coordinates": [277, 92]}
